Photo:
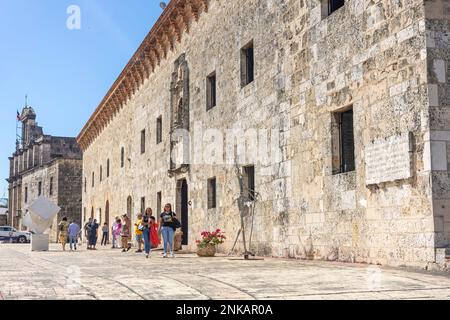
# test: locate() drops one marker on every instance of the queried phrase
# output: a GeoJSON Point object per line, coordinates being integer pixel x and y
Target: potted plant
{"type": "Point", "coordinates": [206, 247]}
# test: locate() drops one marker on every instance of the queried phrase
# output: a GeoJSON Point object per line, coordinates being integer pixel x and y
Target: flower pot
{"type": "Point", "coordinates": [208, 251]}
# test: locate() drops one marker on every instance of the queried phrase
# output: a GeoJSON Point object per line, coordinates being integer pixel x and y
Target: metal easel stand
{"type": "Point", "coordinates": [244, 201]}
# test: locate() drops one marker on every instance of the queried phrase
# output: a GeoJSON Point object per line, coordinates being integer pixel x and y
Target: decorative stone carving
{"type": "Point", "coordinates": [179, 124]}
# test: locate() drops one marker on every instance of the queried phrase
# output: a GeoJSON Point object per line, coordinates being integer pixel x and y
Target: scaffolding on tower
{"type": "Point", "coordinates": [19, 141]}
{"type": "Point", "coordinates": [19, 138]}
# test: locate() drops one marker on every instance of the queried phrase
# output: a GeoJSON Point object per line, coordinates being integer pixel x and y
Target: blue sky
{"type": "Point", "coordinates": [65, 73]}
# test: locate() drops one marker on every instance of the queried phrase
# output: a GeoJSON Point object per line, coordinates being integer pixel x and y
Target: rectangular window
{"type": "Point", "coordinates": [211, 91]}
{"type": "Point", "coordinates": [247, 64]}
{"type": "Point", "coordinates": [159, 202]}
{"type": "Point", "coordinates": [101, 173]}
{"type": "Point", "coordinates": [26, 194]}
{"type": "Point", "coordinates": [85, 185]}
{"type": "Point", "coordinates": [84, 214]}
{"type": "Point", "coordinates": [142, 205]}
{"type": "Point", "coordinates": [51, 186]}
{"type": "Point", "coordinates": [212, 195]}
{"type": "Point", "coordinates": [343, 143]}
{"type": "Point", "coordinates": [330, 6]}
{"type": "Point", "coordinates": [40, 188]}
{"type": "Point", "coordinates": [107, 168]}
{"type": "Point", "coordinates": [159, 130]}
{"type": "Point", "coordinates": [249, 182]}
{"type": "Point", "coordinates": [93, 179]}
{"type": "Point", "coordinates": [142, 141]}
{"type": "Point", "coordinates": [122, 157]}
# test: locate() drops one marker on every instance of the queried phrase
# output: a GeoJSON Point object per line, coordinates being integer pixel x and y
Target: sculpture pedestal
{"type": "Point", "coordinates": [40, 242]}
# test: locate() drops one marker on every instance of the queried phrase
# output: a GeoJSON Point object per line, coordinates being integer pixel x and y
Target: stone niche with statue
{"type": "Point", "coordinates": [179, 121]}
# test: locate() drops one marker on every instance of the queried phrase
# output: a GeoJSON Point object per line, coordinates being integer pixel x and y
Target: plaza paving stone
{"type": "Point", "coordinates": [108, 274]}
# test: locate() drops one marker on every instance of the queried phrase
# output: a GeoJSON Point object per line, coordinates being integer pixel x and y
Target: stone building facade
{"type": "Point", "coordinates": [349, 99]}
{"type": "Point", "coordinates": [44, 165]}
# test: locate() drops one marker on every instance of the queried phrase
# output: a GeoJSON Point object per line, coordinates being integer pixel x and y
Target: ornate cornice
{"type": "Point", "coordinates": [174, 21]}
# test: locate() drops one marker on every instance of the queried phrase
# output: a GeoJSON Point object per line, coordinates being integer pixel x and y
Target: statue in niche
{"type": "Point", "coordinates": [179, 109]}
{"type": "Point", "coordinates": [179, 101]}
{"type": "Point", "coordinates": [180, 73]}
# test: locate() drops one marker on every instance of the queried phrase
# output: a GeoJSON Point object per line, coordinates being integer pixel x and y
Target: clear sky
{"type": "Point", "coordinates": [64, 72]}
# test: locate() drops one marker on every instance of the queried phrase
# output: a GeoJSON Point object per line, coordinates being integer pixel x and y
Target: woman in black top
{"type": "Point", "coordinates": [167, 228]}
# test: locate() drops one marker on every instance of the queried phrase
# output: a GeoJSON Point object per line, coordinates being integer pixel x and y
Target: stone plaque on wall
{"type": "Point", "coordinates": [389, 159]}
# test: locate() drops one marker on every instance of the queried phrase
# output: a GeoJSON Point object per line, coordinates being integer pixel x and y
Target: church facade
{"type": "Point", "coordinates": [44, 165]}
{"type": "Point", "coordinates": [325, 124]}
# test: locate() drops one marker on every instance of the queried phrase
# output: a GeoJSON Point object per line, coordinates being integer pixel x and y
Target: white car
{"type": "Point", "coordinates": [10, 234]}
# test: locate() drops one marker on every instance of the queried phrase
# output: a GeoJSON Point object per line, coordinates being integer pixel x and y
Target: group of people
{"type": "Point", "coordinates": [69, 233]}
{"type": "Point", "coordinates": [146, 228]}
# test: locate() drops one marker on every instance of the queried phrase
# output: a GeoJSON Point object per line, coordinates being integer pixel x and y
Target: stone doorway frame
{"type": "Point", "coordinates": [182, 208]}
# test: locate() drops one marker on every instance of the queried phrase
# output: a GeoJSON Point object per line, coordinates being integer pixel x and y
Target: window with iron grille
{"type": "Point", "coordinates": [249, 182]}
{"type": "Point", "coordinates": [343, 143]}
{"type": "Point", "coordinates": [142, 141]}
{"type": "Point", "coordinates": [159, 130]}
{"type": "Point", "coordinates": [212, 193]}
{"type": "Point", "coordinates": [211, 91]}
{"type": "Point", "coordinates": [247, 64]}
{"type": "Point", "coordinates": [330, 6]}
{"type": "Point", "coordinates": [122, 157]}
{"type": "Point", "coordinates": [142, 205]}
{"type": "Point", "coordinates": [159, 202]}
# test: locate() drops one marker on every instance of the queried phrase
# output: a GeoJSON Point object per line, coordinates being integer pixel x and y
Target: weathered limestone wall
{"type": "Point", "coordinates": [369, 54]}
{"type": "Point", "coordinates": [31, 180]}
{"type": "Point", "coordinates": [69, 185]}
{"type": "Point", "coordinates": [66, 193]}
{"type": "Point", "coordinates": [438, 140]}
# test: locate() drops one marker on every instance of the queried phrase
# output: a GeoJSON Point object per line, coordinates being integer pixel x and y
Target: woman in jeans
{"type": "Point", "coordinates": [167, 228]}
{"type": "Point", "coordinates": [146, 232]}
{"type": "Point", "coordinates": [105, 236]}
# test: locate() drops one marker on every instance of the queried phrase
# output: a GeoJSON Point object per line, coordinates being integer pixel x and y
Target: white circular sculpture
{"type": "Point", "coordinates": [38, 220]}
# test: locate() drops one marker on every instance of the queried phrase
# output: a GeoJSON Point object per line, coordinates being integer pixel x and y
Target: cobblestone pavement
{"type": "Point", "coordinates": [111, 274]}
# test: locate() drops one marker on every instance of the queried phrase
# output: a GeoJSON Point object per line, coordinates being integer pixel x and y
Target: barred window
{"type": "Point", "coordinates": [212, 193]}
{"type": "Point", "coordinates": [247, 64]}
{"type": "Point", "coordinates": [211, 91]}
{"type": "Point", "coordinates": [142, 141]}
{"type": "Point", "coordinates": [343, 143]}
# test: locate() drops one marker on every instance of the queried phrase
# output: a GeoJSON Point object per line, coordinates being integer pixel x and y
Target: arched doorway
{"type": "Point", "coordinates": [183, 208]}
{"type": "Point", "coordinates": [129, 206]}
{"type": "Point", "coordinates": [130, 211]}
{"type": "Point", "coordinates": [99, 216]}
